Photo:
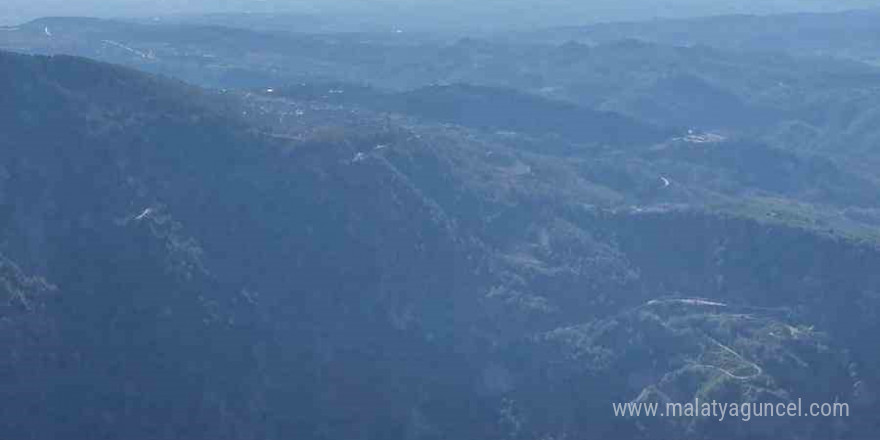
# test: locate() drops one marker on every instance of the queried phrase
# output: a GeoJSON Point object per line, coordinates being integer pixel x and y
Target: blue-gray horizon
{"type": "Point", "coordinates": [547, 12]}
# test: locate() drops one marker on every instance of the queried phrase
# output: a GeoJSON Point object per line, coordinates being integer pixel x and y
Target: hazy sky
{"type": "Point", "coordinates": [552, 11]}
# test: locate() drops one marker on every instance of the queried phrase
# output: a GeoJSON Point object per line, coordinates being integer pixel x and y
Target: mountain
{"type": "Point", "coordinates": [848, 34]}
{"type": "Point", "coordinates": [181, 263]}
{"type": "Point", "coordinates": [491, 108]}
{"type": "Point", "coordinates": [805, 103]}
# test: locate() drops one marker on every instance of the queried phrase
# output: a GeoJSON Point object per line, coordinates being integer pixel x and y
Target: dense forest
{"type": "Point", "coordinates": [242, 233]}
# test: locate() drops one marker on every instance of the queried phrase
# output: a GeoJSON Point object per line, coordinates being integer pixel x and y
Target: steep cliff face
{"type": "Point", "coordinates": [170, 271]}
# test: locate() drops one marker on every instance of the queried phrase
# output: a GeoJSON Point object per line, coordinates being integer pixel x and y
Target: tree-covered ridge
{"type": "Point", "coordinates": [222, 265]}
{"type": "Point", "coordinates": [796, 100]}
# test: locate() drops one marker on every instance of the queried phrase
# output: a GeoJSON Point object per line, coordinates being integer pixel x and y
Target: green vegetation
{"type": "Point", "coordinates": [354, 235]}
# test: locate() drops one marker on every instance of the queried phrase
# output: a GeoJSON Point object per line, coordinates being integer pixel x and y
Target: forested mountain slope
{"type": "Point", "coordinates": [179, 263]}
{"type": "Point", "coordinates": [824, 104]}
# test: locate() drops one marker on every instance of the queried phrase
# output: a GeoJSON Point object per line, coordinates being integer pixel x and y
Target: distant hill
{"type": "Point", "coordinates": [850, 33]}
{"type": "Point", "coordinates": [494, 109]}
{"type": "Point", "coordinates": [821, 105]}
